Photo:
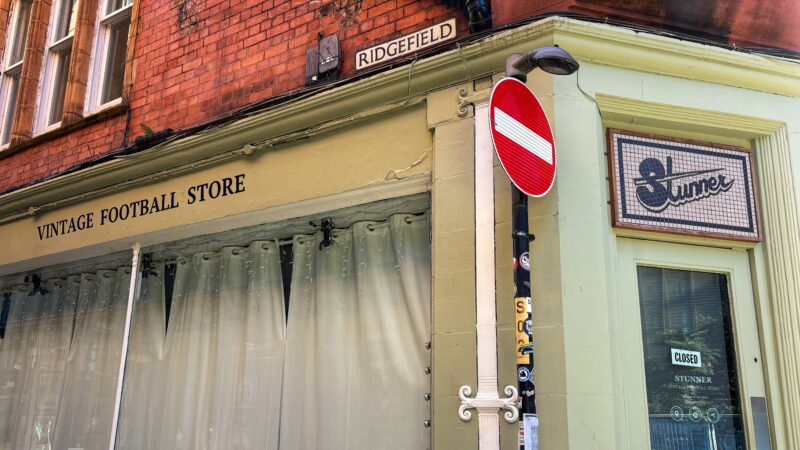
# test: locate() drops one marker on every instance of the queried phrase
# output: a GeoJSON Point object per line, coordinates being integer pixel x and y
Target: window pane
{"type": "Point", "coordinates": [59, 86]}
{"type": "Point", "coordinates": [115, 62]}
{"type": "Point", "coordinates": [690, 363]}
{"type": "Point", "coordinates": [114, 5]}
{"type": "Point", "coordinates": [12, 81]}
{"type": "Point", "coordinates": [214, 361]}
{"type": "Point", "coordinates": [20, 32]}
{"type": "Point", "coordinates": [60, 355]}
{"type": "Point", "coordinates": [66, 19]}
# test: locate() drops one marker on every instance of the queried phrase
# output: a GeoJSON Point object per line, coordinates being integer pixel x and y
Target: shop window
{"type": "Point", "coordinates": [57, 62]}
{"type": "Point", "coordinates": [12, 67]}
{"type": "Point", "coordinates": [218, 360]}
{"type": "Point", "coordinates": [274, 336]}
{"type": "Point", "coordinates": [111, 45]}
{"type": "Point", "coordinates": [693, 394]}
{"type": "Point", "coordinates": [60, 352]}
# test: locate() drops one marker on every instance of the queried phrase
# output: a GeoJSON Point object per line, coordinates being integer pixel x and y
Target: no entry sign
{"type": "Point", "coordinates": [522, 137]}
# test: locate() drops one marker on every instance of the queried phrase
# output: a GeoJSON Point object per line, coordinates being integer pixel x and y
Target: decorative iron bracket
{"type": "Point", "coordinates": [488, 404]}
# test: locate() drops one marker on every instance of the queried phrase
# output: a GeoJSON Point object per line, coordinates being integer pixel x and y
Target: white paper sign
{"type": "Point", "coordinates": [688, 358]}
{"type": "Point", "coordinates": [530, 422]}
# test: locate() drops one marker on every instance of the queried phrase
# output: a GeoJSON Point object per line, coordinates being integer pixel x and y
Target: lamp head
{"type": "Point", "coordinates": [551, 59]}
{"type": "Point", "coordinates": [555, 60]}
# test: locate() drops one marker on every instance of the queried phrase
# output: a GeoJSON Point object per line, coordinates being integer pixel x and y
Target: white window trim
{"type": "Point", "coordinates": [44, 93]}
{"type": "Point", "coordinates": [13, 68]}
{"type": "Point", "coordinates": [9, 69]}
{"type": "Point", "coordinates": [4, 98]}
{"type": "Point", "coordinates": [97, 66]}
{"type": "Point", "coordinates": [49, 67]}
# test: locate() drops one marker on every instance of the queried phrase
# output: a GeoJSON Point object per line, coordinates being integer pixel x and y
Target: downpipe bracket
{"type": "Point", "coordinates": [488, 403]}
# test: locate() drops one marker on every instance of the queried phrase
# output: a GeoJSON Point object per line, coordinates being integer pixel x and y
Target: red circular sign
{"type": "Point", "coordinates": [522, 137]}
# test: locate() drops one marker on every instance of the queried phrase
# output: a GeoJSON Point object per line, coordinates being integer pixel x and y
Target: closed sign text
{"type": "Point", "coordinates": [686, 358]}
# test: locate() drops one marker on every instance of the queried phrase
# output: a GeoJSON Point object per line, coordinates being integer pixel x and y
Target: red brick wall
{"type": "Point", "coordinates": [749, 23]}
{"type": "Point", "coordinates": [196, 60]}
{"type": "Point", "coordinates": [5, 12]}
{"type": "Point", "coordinates": [226, 54]}
{"type": "Point", "coordinates": [55, 155]}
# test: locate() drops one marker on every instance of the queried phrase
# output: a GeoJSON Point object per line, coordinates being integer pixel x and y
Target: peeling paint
{"type": "Point", "coordinates": [397, 174]}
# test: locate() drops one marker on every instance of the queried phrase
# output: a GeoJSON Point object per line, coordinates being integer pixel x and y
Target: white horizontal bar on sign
{"type": "Point", "coordinates": [522, 135]}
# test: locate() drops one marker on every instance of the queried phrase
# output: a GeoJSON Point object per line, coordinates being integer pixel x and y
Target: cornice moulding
{"type": "Point", "coordinates": [626, 48]}
{"type": "Point", "coordinates": [622, 109]}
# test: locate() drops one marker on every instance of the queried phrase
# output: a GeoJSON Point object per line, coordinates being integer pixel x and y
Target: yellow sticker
{"type": "Point", "coordinates": [523, 340]}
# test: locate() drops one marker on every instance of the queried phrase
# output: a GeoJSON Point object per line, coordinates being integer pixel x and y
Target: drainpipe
{"type": "Point", "coordinates": [132, 293]}
{"type": "Point", "coordinates": [487, 401]}
{"type": "Point", "coordinates": [479, 13]}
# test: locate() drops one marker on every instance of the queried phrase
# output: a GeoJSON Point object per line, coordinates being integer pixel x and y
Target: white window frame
{"type": "Point", "coordinates": [9, 70]}
{"type": "Point", "coordinates": [99, 63]}
{"type": "Point", "coordinates": [50, 64]}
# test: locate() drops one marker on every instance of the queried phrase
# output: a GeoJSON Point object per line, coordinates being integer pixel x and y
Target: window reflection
{"type": "Point", "coordinates": [59, 355]}
{"type": "Point", "coordinates": [690, 364]}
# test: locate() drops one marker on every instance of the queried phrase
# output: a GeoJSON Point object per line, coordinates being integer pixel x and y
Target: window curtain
{"type": "Point", "coordinates": [34, 354]}
{"type": "Point", "coordinates": [59, 360]}
{"type": "Point", "coordinates": [213, 380]}
{"type": "Point", "coordinates": [359, 318]}
{"type": "Point", "coordinates": [225, 368]}
{"type": "Point", "coordinates": [90, 382]}
{"type": "Point", "coordinates": [141, 414]}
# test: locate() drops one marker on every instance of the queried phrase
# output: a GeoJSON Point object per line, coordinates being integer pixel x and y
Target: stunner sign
{"type": "Point", "coordinates": [665, 184]}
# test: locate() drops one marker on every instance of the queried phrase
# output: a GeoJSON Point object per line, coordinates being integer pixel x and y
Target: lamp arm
{"type": "Point", "coordinates": [518, 65]}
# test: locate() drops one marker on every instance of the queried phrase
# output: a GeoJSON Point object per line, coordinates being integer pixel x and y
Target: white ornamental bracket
{"type": "Point", "coordinates": [488, 404]}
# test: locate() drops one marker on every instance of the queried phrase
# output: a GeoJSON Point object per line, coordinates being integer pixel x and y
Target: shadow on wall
{"type": "Point", "coordinates": [747, 23]}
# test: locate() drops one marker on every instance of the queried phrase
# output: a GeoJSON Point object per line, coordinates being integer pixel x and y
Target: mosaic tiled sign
{"type": "Point", "coordinates": [676, 186]}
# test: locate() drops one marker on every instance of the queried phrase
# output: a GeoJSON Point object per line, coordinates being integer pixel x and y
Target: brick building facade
{"type": "Point", "coordinates": [190, 63]}
{"type": "Point", "coordinates": [148, 142]}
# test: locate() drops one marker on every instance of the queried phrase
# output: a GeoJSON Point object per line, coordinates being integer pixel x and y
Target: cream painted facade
{"type": "Point", "coordinates": [411, 130]}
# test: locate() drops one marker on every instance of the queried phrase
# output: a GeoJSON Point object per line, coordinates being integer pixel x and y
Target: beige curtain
{"type": "Point", "coordinates": [87, 403]}
{"type": "Point", "coordinates": [59, 361]}
{"type": "Point", "coordinates": [217, 372]}
{"type": "Point", "coordinates": [213, 380]}
{"type": "Point", "coordinates": [359, 318]}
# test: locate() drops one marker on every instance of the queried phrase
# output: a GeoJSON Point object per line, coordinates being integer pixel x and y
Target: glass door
{"type": "Point", "coordinates": [691, 340]}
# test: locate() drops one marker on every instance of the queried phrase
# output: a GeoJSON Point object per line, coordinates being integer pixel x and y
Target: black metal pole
{"type": "Point", "coordinates": [558, 62]}
{"type": "Point", "coordinates": [522, 304]}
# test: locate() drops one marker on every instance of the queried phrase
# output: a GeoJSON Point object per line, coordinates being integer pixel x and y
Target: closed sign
{"type": "Point", "coordinates": [686, 358]}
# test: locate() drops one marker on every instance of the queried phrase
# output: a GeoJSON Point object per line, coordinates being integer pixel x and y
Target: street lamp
{"type": "Point", "coordinates": [556, 61]}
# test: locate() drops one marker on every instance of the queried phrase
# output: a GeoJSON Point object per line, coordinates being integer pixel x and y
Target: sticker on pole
{"type": "Point", "coordinates": [522, 137]}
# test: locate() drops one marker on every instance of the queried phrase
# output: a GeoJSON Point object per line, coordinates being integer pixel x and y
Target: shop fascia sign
{"type": "Point", "coordinates": [405, 45]}
{"type": "Point", "coordinates": [665, 184]}
{"type": "Point", "coordinates": [143, 207]}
